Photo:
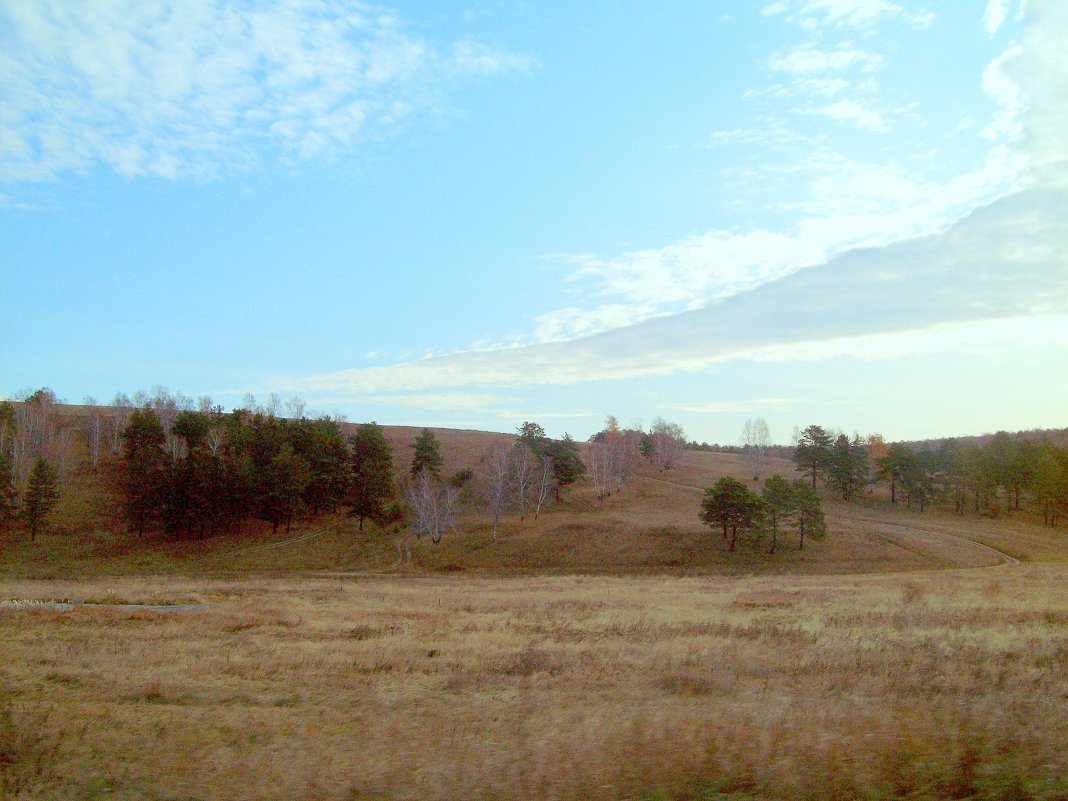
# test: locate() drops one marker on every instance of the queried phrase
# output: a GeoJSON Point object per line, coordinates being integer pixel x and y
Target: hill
{"type": "Point", "coordinates": [650, 526]}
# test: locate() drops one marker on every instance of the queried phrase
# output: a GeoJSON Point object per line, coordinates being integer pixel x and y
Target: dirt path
{"type": "Point", "coordinates": [943, 549]}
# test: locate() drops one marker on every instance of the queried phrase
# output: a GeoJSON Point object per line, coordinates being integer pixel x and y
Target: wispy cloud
{"type": "Point", "coordinates": [996, 278]}
{"type": "Point", "coordinates": [808, 60]}
{"type": "Point", "coordinates": [862, 14]}
{"type": "Point", "coordinates": [733, 407]}
{"type": "Point", "coordinates": [853, 112]}
{"type": "Point", "coordinates": [195, 88]}
{"type": "Point", "coordinates": [994, 15]}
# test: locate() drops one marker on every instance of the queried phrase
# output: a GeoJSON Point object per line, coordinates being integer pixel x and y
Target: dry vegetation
{"type": "Point", "coordinates": [852, 669]}
{"type": "Point", "coordinates": [936, 685]}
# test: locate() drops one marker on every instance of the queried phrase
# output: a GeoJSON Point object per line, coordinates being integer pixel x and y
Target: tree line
{"type": "Point", "coordinates": [997, 475]}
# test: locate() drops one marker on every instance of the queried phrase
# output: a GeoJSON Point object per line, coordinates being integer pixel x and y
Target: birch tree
{"type": "Point", "coordinates": [756, 438]}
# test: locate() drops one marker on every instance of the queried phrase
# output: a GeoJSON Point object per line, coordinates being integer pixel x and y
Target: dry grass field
{"type": "Point", "coordinates": [610, 650]}
{"type": "Point", "coordinates": [947, 684]}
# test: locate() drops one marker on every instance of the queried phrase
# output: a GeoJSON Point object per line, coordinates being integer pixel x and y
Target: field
{"type": "Point", "coordinates": [608, 651]}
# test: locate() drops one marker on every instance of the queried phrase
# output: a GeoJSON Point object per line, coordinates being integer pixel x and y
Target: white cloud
{"type": "Point", "coordinates": [733, 407]}
{"type": "Point", "coordinates": [441, 400]}
{"type": "Point", "coordinates": [998, 278]}
{"type": "Point", "coordinates": [173, 89]}
{"type": "Point", "coordinates": [809, 60]}
{"type": "Point", "coordinates": [994, 15]}
{"type": "Point", "coordinates": [846, 13]}
{"type": "Point", "coordinates": [851, 111]}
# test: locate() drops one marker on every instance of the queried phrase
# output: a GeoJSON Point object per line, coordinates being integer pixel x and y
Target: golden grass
{"type": "Point", "coordinates": [932, 685]}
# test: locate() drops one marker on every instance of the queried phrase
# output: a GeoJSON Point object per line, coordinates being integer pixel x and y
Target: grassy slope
{"type": "Point", "coordinates": [651, 527]}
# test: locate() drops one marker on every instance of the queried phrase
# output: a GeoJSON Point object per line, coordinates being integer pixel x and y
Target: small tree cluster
{"type": "Point", "coordinates": [739, 512]}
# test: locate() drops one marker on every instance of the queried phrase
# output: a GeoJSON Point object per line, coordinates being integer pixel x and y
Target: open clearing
{"type": "Point", "coordinates": [608, 651]}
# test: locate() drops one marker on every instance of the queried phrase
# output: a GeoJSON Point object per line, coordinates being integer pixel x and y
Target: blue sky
{"type": "Point", "coordinates": [850, 212]}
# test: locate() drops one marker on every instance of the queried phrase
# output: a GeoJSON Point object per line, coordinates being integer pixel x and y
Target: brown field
{"type": "Point", "coordinates": [611, 650]}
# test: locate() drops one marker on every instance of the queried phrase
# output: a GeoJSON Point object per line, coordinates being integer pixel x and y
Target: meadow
{"type": "Point", "coordinates": [947, 684]}
{"type": "Point", "coordinates": [610, 650]}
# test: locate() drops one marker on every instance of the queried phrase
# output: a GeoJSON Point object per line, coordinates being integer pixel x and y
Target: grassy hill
{"type": "Point", "coordinates": [651, 526]}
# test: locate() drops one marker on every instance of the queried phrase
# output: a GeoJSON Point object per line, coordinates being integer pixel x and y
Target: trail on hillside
{"type": "Point", "coordinates": [944, 550]}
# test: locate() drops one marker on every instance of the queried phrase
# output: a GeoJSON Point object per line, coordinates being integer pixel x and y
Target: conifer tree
{"type": "Point", "coordinates": [42, 493]}
{"type": "Point", "coordinates": [809, 515]}
{"type": "Point", "coordinates": [9, 494]}
{"type": "Point", "coordinates": [427, 455]}
{"type": "Point", "coordinates": [372, 472]}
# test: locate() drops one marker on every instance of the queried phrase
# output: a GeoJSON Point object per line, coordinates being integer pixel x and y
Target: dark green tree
{"type": "Point", "coordinates": [1051, 483]}
{"type": "Point", "coordinates": [779, 500]}
{"type": "Point", "coordinates": [42, 492]}
{"type": "Point", "coordinates": [143, 473]}
{"type": "Point", "coordinates": [192, 427]}
{"type": "Point", "coordinates": [813, 451]}
{"type": "Point", "coordinates": [533, 435]}
{"type": "Point", "coordinates": [371, 461]}
{"type": "Point", "coordinates": [9, 494]}
{"type": "Point", "coordinates": [847, 466]}
{"type": "Point", "coordinates": [287, 478]}
{"type": "Point", "coordinates": [568, 466]}
{"type": "Point", "coordinates": [427, 455]}
{"type": "Point", "coordinates": [809, 515]}
{"type": "Point", "coordinates": [891, 468]}
{"type": "Point", "coordinates": [732, 505]}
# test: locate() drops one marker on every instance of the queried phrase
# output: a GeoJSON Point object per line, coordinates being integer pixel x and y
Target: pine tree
{"type": "Point", "coordinates": [372, 473]}
{"type": "Point", "coordinates": [732, 505]}
{"type": "Point", "coordinates": [143, 442]}
{"type": "Point", "coordinates": [9, 494]}
{"type": "Point", "coordinates": [568, 466]}
{"type": "Point", "coordinates": [779, 498]}
{"type": "Point", "coordinates": [41, 495]}
{"type": "Point", "coordinates": [809, 516]}
{"type": "Point", "coordinates": [427, 455]}
{"type": "Point", "coordinates": [813, 451]}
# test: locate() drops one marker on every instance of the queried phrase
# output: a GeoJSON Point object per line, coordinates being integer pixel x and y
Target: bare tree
{"type": "Point", "coordinates": [295, 407]}
{"type": "Point", "coordinates": [274, 404]}
{"type": "Point", "coordinates": [496, 468]}
{"type": "Point", "coordinates": [433, 504]}
{"type": "Point", "coordinates": [600, 462]}
{"type": "Point", "coordinates": [121, 409]}
{"type": "Point", "coordinates": [669, 441]}
{"type": "Point", "coordinates": [94, 431]}
{"type": "Point", "coordinates": [544, 484]}
{"type": "Point", "coordinates": [524, 473]}
{"type": "Point", "coordinates": [756, 438]}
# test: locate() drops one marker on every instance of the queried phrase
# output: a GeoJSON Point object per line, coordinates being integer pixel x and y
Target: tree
{"type": "Point", "coordinates": [287, 477]}
{"type": "Point", "coordinates": [779, 499]}
{"type": "Point", "coordinates": [524, 471]}
{"type": "Point", "coordinates": [809, 513]}
{"type": "Point", "coordinates": [669, 441]}
{"type": "Point", "coordinates": [495, 471]}
{"type": "Point", "coordinates": [143, 454]}
{"type": "Point", "coordinates": [427, 455]}
{"type": "Point", "coordinates": [567, 463]}
{"type": "Point", "coordinates": [1051, 483]}
{"type": "Point", "coordinates": [544, 484]}
{"type": "Point", "coordinates": [847, 466]}
{"type": "Point", "coordinates": [756, 438]}
{"type": "Point", "coordinates": [731, 504]}
{"type": "Point", "coordinates": [372, 473]}
{"type": "Point", "coordinates": [813, 451]}
{"type": "Point", "coordinates": [892, 467]}
{"type": "Point", "coordinates": [7, 426]}
{"type": "Point", "coordinates": [433, 504]}
{"type": "Point", "coordinates": [533, 435]}
{"type": "Point", "coordinates": [9, 494]}
{"type": "Point", "coordinates": [42, 492]}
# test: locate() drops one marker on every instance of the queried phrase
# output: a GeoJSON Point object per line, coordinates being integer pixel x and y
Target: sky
{"type": "Point", "coordinates": [845, 212]}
